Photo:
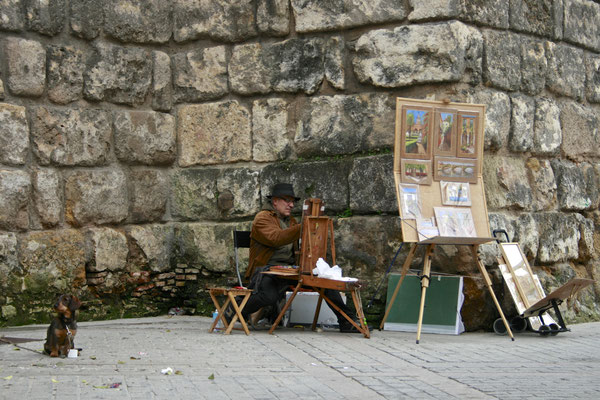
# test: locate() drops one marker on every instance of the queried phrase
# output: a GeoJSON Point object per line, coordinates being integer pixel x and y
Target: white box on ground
{"type": "Point", "coordinates": [302, 310]}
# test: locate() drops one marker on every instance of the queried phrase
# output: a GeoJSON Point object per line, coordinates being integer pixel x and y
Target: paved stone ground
{"type": "Point", "coordinates": [298, 364]}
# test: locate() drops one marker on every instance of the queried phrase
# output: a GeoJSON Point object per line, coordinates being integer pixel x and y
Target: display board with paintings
{"type": "Point", "coordinates": [437, 170]}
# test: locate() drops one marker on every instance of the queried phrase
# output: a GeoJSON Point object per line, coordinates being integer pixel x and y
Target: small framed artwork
{"type": "Point", "coordinates": [417, 126]}
{"type": "Point", "coordinates": [426, 228]}
{"type": "Point", "coordinates": [410, 201]}
{"type": "Point", "coordinates": [455, 193]}
{"type": "Point", "coordinates": [416, 171]}
{"type": "Point", "coordinates": [455, 169]}
{"type": "Point", "coordinates": [445, 132]}
{"type": "Point", "coordinates": [456, 222]}
{"type": "Point", "coordinates": [468, 140]}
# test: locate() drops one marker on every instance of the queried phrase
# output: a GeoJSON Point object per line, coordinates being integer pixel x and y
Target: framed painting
{"type": "Point", "coordinates": [455, 193]}
{"type": "Point", "coordinates": [416, 171]}
{"type": "Point", "coordinates": [468, 138]}
{"type": "Point", "coordinates": [410, 201]}
{"type": "Point", "coordinates": [417, 126]}
{"type": "Point", "coordinates": [455, 169]}
{"type": "Point", "coordinates": [445, 132]}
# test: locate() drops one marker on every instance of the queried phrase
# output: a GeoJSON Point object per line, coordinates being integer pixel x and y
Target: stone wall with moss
{"type": "Point", "coordinates": [135, 135]}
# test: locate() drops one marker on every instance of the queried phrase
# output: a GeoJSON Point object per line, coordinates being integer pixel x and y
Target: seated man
{"type": "Point", "coordinates": [274, 241]}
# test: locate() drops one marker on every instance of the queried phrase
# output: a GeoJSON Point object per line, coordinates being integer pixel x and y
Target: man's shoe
{"type": "Point", "coordinates": [347, 327]}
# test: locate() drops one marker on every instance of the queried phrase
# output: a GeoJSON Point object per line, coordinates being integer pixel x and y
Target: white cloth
{"type": "Point", "coordinates": [323, 270]}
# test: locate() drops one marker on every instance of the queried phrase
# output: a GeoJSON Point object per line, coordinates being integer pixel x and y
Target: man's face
{"type": "Point", "coordinates": [283, 205]}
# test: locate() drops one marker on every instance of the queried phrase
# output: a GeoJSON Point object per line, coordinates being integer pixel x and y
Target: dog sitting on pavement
{"type": "Point", "coordinates": [60, 337]}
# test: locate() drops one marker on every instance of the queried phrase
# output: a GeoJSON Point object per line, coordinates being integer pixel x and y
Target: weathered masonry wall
{"type": "Point", "coordinates": [135, 135]}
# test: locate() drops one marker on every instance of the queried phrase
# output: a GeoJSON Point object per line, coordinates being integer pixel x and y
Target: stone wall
{"type": "Point", "coordinates": [135, 135]}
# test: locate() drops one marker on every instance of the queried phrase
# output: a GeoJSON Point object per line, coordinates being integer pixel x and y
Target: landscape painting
{"type": "Point", "coordinates": [417, 124]}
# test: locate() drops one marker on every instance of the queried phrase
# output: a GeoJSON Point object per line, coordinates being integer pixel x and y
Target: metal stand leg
{"type": "Point", "coordinates": [424, 286]}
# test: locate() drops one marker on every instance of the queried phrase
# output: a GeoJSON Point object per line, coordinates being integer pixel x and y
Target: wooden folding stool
{"type": "Point", "coordinates": [231, 294]}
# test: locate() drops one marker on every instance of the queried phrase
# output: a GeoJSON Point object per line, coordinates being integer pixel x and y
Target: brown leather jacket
{"type": "Point", "coordinates": [266, 235]}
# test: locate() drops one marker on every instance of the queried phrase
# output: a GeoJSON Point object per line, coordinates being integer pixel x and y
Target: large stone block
{"type": "Point", "coordinates": [591, 173]}
{"type": "Point", "coordinates": [586, 241]}
{"type": "Point", "coordinates": [214, 133]}
{"type": "Point", "coordinates": [364, 246]}
{"type": "Point", "coordinates": [9, 264]}
{"type": "Point", "coordinates": [582, 23]}
{"type": "Point", "coordinates": [221, 20]}
{"type": "Point", "coordinates": [543, 184]}
{"type": "Point", "coordinates": [162, 87]}
{"type": "Point", "coordinates": [523, 110]}
{"type": "Point", "coordinates": [433, 9]}
{"type": "Point", "coordinates": [207, 246]}
{"type": "Point", "coordinates": [108, 250]}
{"type": "Point", "coordinates": [238, 192]}
{"type": "Point", "coordinates": [270, 137]}
{"type": "Point", "coordinates": [570, 181]}
{"type": "Point", "coordinates": [149, 191]}
{"type": "Point", "coordinates": [87, 18]}
{"type": "Point", "coordinates": [486, 12]}
{"type": "Point", "coordinates": [331, 125]}
{"type": "Point", "coordinates": [273, 17]}
{"type": "Point", "coordinates": [559, 237]}
{"type": "Point", "coordinates": [527, 235]}
{"type": "Point", "coordinates": [154, 245]}
{"type": "Point", "coordinates": [65, 74]}
{"type": "Point", "coordinates": [497, 117]}
{"type": "Point", "coordinates": [248, 71]}
{"type": "Point", "coordinates": [118, 74]}
{"type": "Point", "coordinates": [1, 89]}
{"type": "Point", "coordinates": [14, 135]}
{"type": "Point", "coordinates": [566, 70]}
{"type": "Point", "coordinates": [290, 66]}
{"type": "Point", "coordinates": [15, 188]}
{"type": "Point", "coordinates": [70, 137]}
{"type": "Point", "coordinates": [372, 187]}
{"type": "Point", "coordinates": [581, 131]}
{"type": "Point", "coordinates": [53, 261]}
{"type": "Point", "coordinates": [200, 74]}
{"type": "Point", "coordinates": [502, 66]}
{"type": "Point", "coordinates": [533, 66]}
{"type": "Point", "coordinates": [505, 187]}
{"type": "Point", "coordinates": [143, 137]}
{"type": "Point", "coordinates": [335, 54]}
{"type": "Point", "coordinates": [314, 16]}
{"type": "Point", "coordinates": [533, 16]}
{"type": "Point", "coordinates": [26, 66]}
{"type": "Point", "coordinates": [414, 54]}
{"type": "Point", "coordinates": [46, 17]}
{"type": "Point", "coordinates": [592, 65]}
{"type": "Point", "coordinates": [547, 133]}
{"type": "Point", "coordinates": [296, 64]}
{"type": "Point", "coordinates": [47, 196]}
{"type": "Point", "coordinates": [12, 17]}
{"type": "Point", "coordinates": [309, 181]}
{"type": "Point", "coordinates": [96, 197]}
{"type": "Point", "coordinates": [194, 194]}
{"type": "Point", "coordinates": [138, 21]}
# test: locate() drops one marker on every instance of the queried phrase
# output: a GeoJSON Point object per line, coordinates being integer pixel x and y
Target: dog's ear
{"type": "Point", "coordinates": [74, 304]}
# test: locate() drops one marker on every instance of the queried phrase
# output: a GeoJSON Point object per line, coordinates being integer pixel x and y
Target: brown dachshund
{"type": "Point", "coordinates": [63, 328]}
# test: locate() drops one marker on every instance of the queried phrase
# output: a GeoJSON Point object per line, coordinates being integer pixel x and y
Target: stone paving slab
{"type": "Point", "coordinates": [298, 364]}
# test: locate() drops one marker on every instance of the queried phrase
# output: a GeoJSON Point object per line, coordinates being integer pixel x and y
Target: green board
{"type": "Point", "coordinates": [443, 301]}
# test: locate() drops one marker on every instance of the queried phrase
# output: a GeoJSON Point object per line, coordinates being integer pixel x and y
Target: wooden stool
{"type": "Point", "coordinates": [231, 293]}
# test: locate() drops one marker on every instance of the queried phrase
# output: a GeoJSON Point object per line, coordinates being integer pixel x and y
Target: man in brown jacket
{"type": "Point", "coordinates": [274, 241]}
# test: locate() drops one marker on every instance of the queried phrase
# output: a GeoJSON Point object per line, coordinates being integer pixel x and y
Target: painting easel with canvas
{"type": "Point", "coordinates": [438, 154]}
{"type": "Point", "coordinates": [315, 244]}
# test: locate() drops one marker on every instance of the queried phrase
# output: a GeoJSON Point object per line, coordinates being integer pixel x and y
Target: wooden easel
{"type": "Point", "coordinates": [429, 182]}
{"type": "Point", "coordinates": [473, 243]}
{"type": "Point", "coordinates": [316, 229]}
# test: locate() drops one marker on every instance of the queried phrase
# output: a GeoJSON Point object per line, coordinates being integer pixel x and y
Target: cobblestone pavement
{"type": "Point", "coordinates": [130, 355]}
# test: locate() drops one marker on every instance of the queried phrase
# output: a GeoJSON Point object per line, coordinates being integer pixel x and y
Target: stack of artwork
{"type": "Point", "coordinates": [438, 146]}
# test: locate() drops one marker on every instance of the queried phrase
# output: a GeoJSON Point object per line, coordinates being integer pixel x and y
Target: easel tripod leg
{"type": "Point", "coordinates": [405, 266]}
{"type": "Point", "coordinates": [424, 286]}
